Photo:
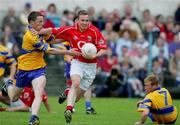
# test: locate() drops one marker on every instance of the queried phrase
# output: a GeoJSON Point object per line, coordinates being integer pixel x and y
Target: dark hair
{"type": "Point", "coordinates": [51, 5]}
{"type": "Point", "coordinates": [33, 15]}
{"type": "Point", "coordinates": [82, 12]}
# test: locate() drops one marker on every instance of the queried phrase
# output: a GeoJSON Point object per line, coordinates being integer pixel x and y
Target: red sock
{"type": "Point", "coordinates": [69, 107]}
{"type": "Point", "coordinates": [66, 91]}
{"type": "Point", "coordinates": [69, 82]}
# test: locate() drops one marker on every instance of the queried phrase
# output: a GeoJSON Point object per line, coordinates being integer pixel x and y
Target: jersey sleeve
{"type": "Point", "coordinates": [49, 38]}
{"type": "Point", "coordinates": [145, 105]}
{"type": "Point", "coordinates": [61, 33]}
{"type": "Point", "coordinates": [100, 41]}
{"type": "Point", "coordinates": [39, 43]}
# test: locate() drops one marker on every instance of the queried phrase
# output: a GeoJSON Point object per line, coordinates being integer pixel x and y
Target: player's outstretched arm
{"type": "Point", "coordinates": [100, 53]}
{"type": "Point", "coordinates": [22, 108]}
{"type": "Point", "coordinates": [143, 118]}
{"type": "Point", "coordinates": [56, 51]}
{"type": "Point", "coordinates": [45, 31]}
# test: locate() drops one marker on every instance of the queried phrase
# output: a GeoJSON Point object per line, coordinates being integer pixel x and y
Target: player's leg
{"type": "Point", "coordinates": [87, 96]}
{"type": "Point", "coordinates": [63, 96]}
{"type": "Point", "coordinates": [14, 92]}
{"type": "Point", "coordinates": [72, 97]}
{"type": "Point", "coordinates": [38, 87]}
{"type": "Point", "coordinates": [18, 106]}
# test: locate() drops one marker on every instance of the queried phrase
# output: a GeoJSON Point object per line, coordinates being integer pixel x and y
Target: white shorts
{"type": "Point", "coordinates": [87, 72]}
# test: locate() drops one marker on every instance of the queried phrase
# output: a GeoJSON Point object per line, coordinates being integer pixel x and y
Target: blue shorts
{"type": "Point", "coordinates": [24, 78]}
{"type": "Point", "coordinates": [67, 70]}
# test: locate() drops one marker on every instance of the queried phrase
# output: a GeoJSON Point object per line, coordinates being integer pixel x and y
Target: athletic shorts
{"type": "Point", "coordinates": [24, 78]}
{"type": "Point", "coordinates": [87, 72]}
{"type": "Point", "coordinates": [67, 70]}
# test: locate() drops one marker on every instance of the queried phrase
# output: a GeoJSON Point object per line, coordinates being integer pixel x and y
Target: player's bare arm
{"type": "Point", "coordinates": [45, 31]}
{"type": "Point", "coordinates": [139, 102]}
{"type": "Point", "coordinates": [56, 51]}
{"type": "Point", "coordinates": [143, 118]}
{"type": "Point", "coordinates": [100, 53]}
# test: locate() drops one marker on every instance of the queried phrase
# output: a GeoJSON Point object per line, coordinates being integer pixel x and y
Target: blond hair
{"type": "Point", "coordinates": [153, 79]}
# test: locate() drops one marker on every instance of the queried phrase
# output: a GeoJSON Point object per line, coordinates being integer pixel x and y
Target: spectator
{"type": "Point", "coordinates": [145, 18]}
{"type": "Point", "coordinates": [13, 21]}
{"type": "Point", "coordinates": [161, 45]}
{"type": "Point", "coordinates": [160, 23]}
{"type": "Point", "coordinates": [52, 18]}
{"type": "Point", "coordinates": [126, 25]}
{"type": "Point", "coordinates": [124, 40]}
{"type": "Point", "coordinates": [114, 86]}
{"type": "Point", "coordinates": [141, 42]}
{"type": "Point", "coordinates": [106, 64]}
{"type": "Point", "coordinates": [169, 31]}
{"type": "Point", "coordinates": [135, 83]}
{"type": "Point", "coordinates": [8, 39]}
{"type": "Point", "coordinates": [23, 16]}
{"type": "Point", "coordinates": [68, 18]}
{"type": "Point", "coordinates": [175, 44]}
{"type": "Point", "coordinates": [177, 15]}
{"type": "Point", "coordinates": [151, 32]}
{"type": "Point", "coordinates": [175, 66]}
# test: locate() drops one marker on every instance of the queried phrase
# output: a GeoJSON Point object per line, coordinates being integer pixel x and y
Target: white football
{"type": "Point", "coordinates": [88, 48]}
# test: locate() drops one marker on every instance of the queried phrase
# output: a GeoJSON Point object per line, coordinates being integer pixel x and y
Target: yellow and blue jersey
{"type": "Point", "coordinates": [159, 103]}
{"type": "Point", "coordinates": [6, 58]}
{"type": "Point", "coordinates": [33, 49]}
{"type": "Point", "coordinates": [65, 46]}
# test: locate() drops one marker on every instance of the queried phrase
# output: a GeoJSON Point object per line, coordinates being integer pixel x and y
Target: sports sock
{"type": "Point", "coordinates": [88, 104]}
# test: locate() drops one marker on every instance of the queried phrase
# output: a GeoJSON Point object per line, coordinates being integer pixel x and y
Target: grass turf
{"type": "Point", "coordinates": [110, 111]}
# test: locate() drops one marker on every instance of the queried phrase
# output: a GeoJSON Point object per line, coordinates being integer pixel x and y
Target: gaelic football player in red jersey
{"type": "Point", "coordinates": [82, 70]}
{"type": "Point", "coordinates": [24, 103]}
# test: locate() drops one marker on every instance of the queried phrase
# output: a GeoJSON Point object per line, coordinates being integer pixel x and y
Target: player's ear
{"type": "Point", "coordinates": [31, 22]}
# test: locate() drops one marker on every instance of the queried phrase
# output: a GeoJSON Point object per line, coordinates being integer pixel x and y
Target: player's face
{"type": "Point", "coordinates": [148, 87]}
{"type": "Point", "coordinates": [83, 22]}
{"type": "Point", "coordinates": [38, 23]}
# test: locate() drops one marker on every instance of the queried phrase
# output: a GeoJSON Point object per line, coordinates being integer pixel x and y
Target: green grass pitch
{"type": "Point", "coordinates": [110, 111]}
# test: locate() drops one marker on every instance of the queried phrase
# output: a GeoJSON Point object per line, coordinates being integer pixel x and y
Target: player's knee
{"type": "Point", "coordinates": [75, 85]}
{"type": "Point", "coordinates": [14, 98]}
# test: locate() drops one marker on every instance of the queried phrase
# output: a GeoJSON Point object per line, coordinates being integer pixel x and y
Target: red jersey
{"type": "Point", "coordinates": [27, 96]}
{"type": "Point", "coordinates": [77, 38]}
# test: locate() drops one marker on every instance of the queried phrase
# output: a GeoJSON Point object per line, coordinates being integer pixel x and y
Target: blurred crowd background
{"type": "Point", "coordinates": [139, 42]}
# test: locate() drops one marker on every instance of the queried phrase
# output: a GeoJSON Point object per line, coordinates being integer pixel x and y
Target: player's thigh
{"type": "Point", "coordinates": [75, 80]}
{"type": "Point", "coordinates": [14, 90]}
{"type": "Point", "coordinates": [39, 83]}
{"type": "Point", "coordinates": [76, 68]}
{"type": "Point", "coordinates": [89, 74]}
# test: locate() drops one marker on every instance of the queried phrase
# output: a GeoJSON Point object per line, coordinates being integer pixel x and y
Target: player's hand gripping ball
{"type": "Point", "coordinates": [88, 50]}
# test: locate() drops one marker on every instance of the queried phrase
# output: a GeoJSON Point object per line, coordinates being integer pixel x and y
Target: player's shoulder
{"type": "Point", "coordinates": [28, 35]}
{"type": "Point", "coordinates": [91, 26]}
{"type": "Point", "coordinates": [65, 27]}
{"type": "Point", "coordinates": [150, 96]}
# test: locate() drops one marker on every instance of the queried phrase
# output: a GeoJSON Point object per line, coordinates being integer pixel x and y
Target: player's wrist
{"type": "Point", "coordinates": [67, 52]}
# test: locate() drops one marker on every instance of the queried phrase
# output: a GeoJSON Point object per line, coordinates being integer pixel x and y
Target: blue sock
{"type": "Point", "coordinates": [88, 104]}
